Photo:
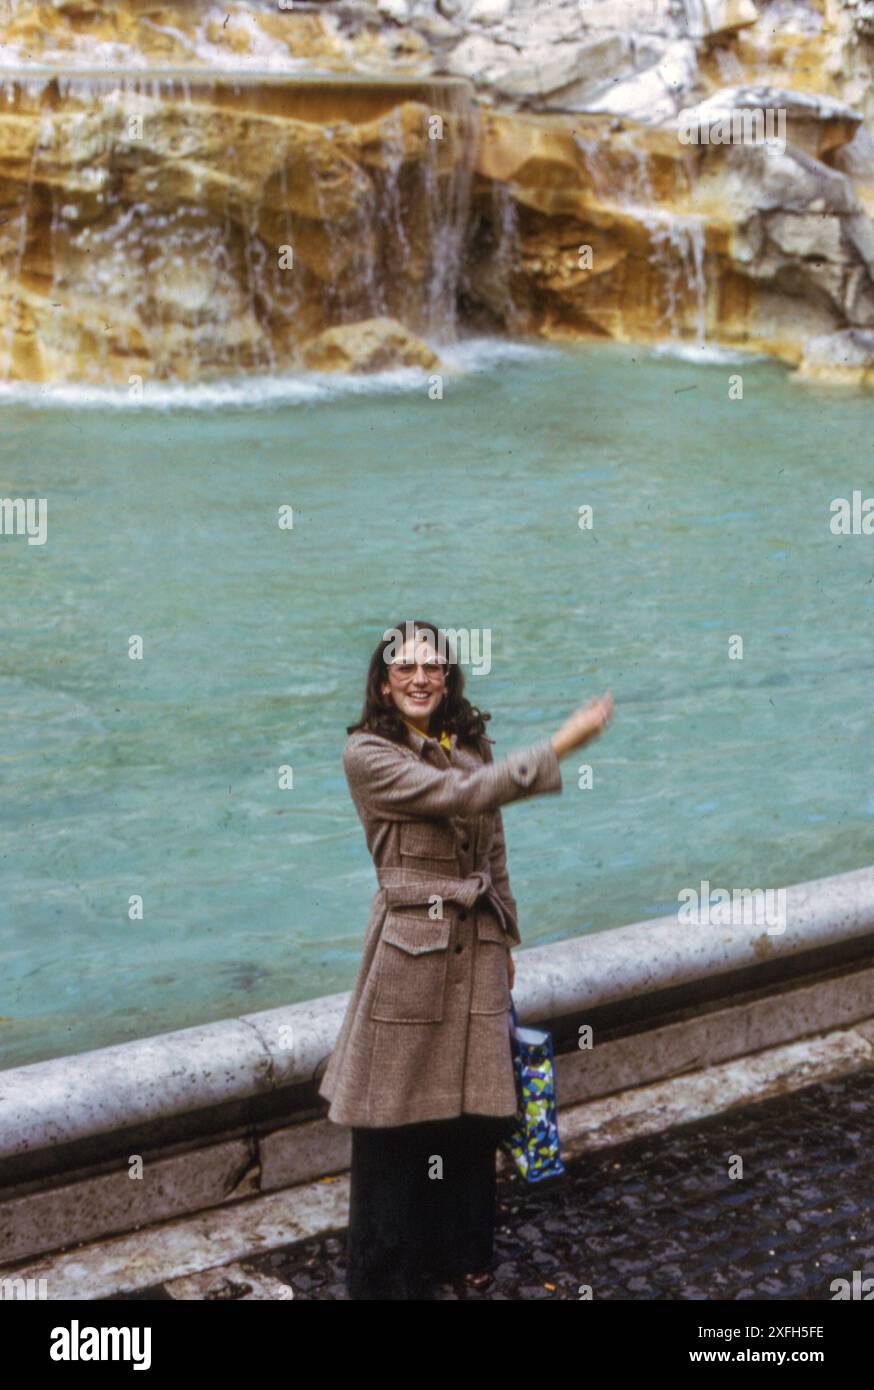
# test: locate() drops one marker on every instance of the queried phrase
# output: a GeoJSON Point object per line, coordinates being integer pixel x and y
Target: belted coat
{"type": "Point", "coordinates": [426, 1032]}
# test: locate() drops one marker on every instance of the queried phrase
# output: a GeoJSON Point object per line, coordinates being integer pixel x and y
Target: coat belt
{"type": "Point", "coordinates": [401, 889]}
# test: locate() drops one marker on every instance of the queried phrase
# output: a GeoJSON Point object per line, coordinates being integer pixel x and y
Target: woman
{"type": "Point", "coordinates": [422, 1069]}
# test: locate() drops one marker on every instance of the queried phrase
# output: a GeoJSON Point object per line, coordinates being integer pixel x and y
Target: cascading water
{"type": "Point", "coordinates": [678, 248]}
{"type": "Point", "coordinates": [621, 180]}
{"type": "Point", "coordinates": [188, 225]}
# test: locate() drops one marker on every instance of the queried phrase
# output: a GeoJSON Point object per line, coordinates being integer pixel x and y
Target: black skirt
{"type": "Point", "coordinates": [408, 1224]}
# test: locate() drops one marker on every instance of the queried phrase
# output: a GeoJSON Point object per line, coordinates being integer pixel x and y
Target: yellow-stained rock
{"type": "Point", "coordinates": [182, 33]}
{"type": "Point", "coordinates": [375, 345]}
{"type": "Point", "coordinates": [222, 224]}
{"type": "Point", "coordinates": [212, 228]}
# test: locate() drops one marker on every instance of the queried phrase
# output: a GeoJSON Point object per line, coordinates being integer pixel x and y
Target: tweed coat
{"type": "Point", "coordinates": [426, 1032]}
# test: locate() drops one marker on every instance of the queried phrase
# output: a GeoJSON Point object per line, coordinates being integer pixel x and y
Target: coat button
{"type": "Point", "coordinates": [465, 844]}
{"type": "Point", "coordinates": [462, 916]}
{"type": "Point", "coordinates": [458, 948]}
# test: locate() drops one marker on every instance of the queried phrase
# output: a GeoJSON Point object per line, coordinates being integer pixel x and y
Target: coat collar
{"type": "Point", "coordinates": [423, 747]}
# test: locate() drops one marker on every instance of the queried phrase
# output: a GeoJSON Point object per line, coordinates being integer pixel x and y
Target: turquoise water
{"type": "Point", "coordinates": [160, 777]}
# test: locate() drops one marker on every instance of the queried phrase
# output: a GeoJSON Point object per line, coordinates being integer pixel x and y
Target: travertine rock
{"type": "Point", "coordinates": [844, 357]}
{"type": "Point", "coordinates": [588, 213]}
{"type": "Point", "coordinates": [372, 346]}
{"type": "Point", "coordinates": [188, 232]}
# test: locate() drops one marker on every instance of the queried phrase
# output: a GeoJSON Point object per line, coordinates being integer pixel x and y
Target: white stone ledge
{"type": "Point", "coordinates": [69, 1099]}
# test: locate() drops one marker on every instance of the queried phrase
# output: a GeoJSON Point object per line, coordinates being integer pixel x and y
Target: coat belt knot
{"type": "Point", "coordinates": [401, 889]}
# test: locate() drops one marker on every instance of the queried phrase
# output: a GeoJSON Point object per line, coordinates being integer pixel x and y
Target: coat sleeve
{"type": "Point", "coordinates": [392, 783]}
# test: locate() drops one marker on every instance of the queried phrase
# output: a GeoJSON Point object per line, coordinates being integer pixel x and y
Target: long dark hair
{"type": "Point", "coordinates": [380, 715]}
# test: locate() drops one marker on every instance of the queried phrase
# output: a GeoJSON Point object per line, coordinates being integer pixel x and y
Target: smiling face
{"type": "Point", "coordinates": [417, 682]}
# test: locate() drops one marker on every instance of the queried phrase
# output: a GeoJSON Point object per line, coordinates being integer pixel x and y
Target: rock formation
{"type": "Point", "coordinates": [183, 230]}
{"type": "Point", "coordinates": [639, 169]}
{"type": "Point", "coordinates": [371, 346]}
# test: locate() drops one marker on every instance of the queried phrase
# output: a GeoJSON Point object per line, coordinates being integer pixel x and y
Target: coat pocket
{"type": "Point", "coordinates": [491, 986]}
{"type": "Point", "coordinates": [427, 840]}
{"type": "Point", "coordinates": [413, 956]}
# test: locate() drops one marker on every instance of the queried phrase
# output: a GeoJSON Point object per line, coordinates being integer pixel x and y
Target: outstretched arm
{"type": "Point", "coordinates": [389, 780]}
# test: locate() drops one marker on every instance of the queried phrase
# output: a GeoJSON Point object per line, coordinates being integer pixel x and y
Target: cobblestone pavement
{"type": "Point", "coordinates": [660, 1218]}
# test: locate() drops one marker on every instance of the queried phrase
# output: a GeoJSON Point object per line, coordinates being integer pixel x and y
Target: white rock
{"type": "Point", "coordinates": [660, 18]}
{"type": "Point", "coordinates": [655, 94]}
{"type": "Point", "coordinates": [397, 10]}
{"type": "Point", "coordinates": [852, 349]}
{"type": "Point", "coordinates": [546, 69]}
{"type": "Point", "coordinates": [605, 60]}
{"type": "Point", "coordinates": [706, 17]}
{"type": "Point", "coordinates": [860, 231]}
{"type": "Point", "coordinates": [436, 26]}
{"type": "Point", "coordinates": [807, 234]}
{"type": "Point", "coordinates": [809, 104]}
{"type": "Point", "coordinates": [796, 16]}
{"type": "Point", "coordinates": [489, 11]}
{"type": "Point", "coordinates": [771, 180]}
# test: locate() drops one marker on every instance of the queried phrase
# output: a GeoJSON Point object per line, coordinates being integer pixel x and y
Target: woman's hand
{"type": "Point", "coordinates": [585, 723]}
{"type": "Point", "coordinates": [511, 969]}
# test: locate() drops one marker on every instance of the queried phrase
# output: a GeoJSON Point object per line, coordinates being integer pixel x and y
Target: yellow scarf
{"type": "Point", "coordinates": [443, 739]}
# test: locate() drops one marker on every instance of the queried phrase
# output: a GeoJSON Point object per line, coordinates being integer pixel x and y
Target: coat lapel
{"type": "Point", "coordinates": [431, 748]}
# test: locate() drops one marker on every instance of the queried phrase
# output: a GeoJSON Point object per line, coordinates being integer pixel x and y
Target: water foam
{"type": "Point", "coordinates": [261, 391]}
{"type": "Point", "coordinates": [706, 354]}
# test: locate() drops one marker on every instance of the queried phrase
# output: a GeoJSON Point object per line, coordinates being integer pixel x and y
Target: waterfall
{"type": "Point", "coordinates": [678, 251]}
{"type": "Point", "coordinates": [182, 225]}
{"type": "Point", "coordinates": [493, 257]}
{"type": "Point", "coordinates": [620, 177]}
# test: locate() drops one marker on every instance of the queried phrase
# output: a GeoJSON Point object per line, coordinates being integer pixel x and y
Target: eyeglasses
{"type": "Point", "coordinates": [405, 670]}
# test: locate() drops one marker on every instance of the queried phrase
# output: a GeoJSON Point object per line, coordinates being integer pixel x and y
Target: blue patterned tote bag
{"type": "Point", "coordinates": [534, 1144]}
